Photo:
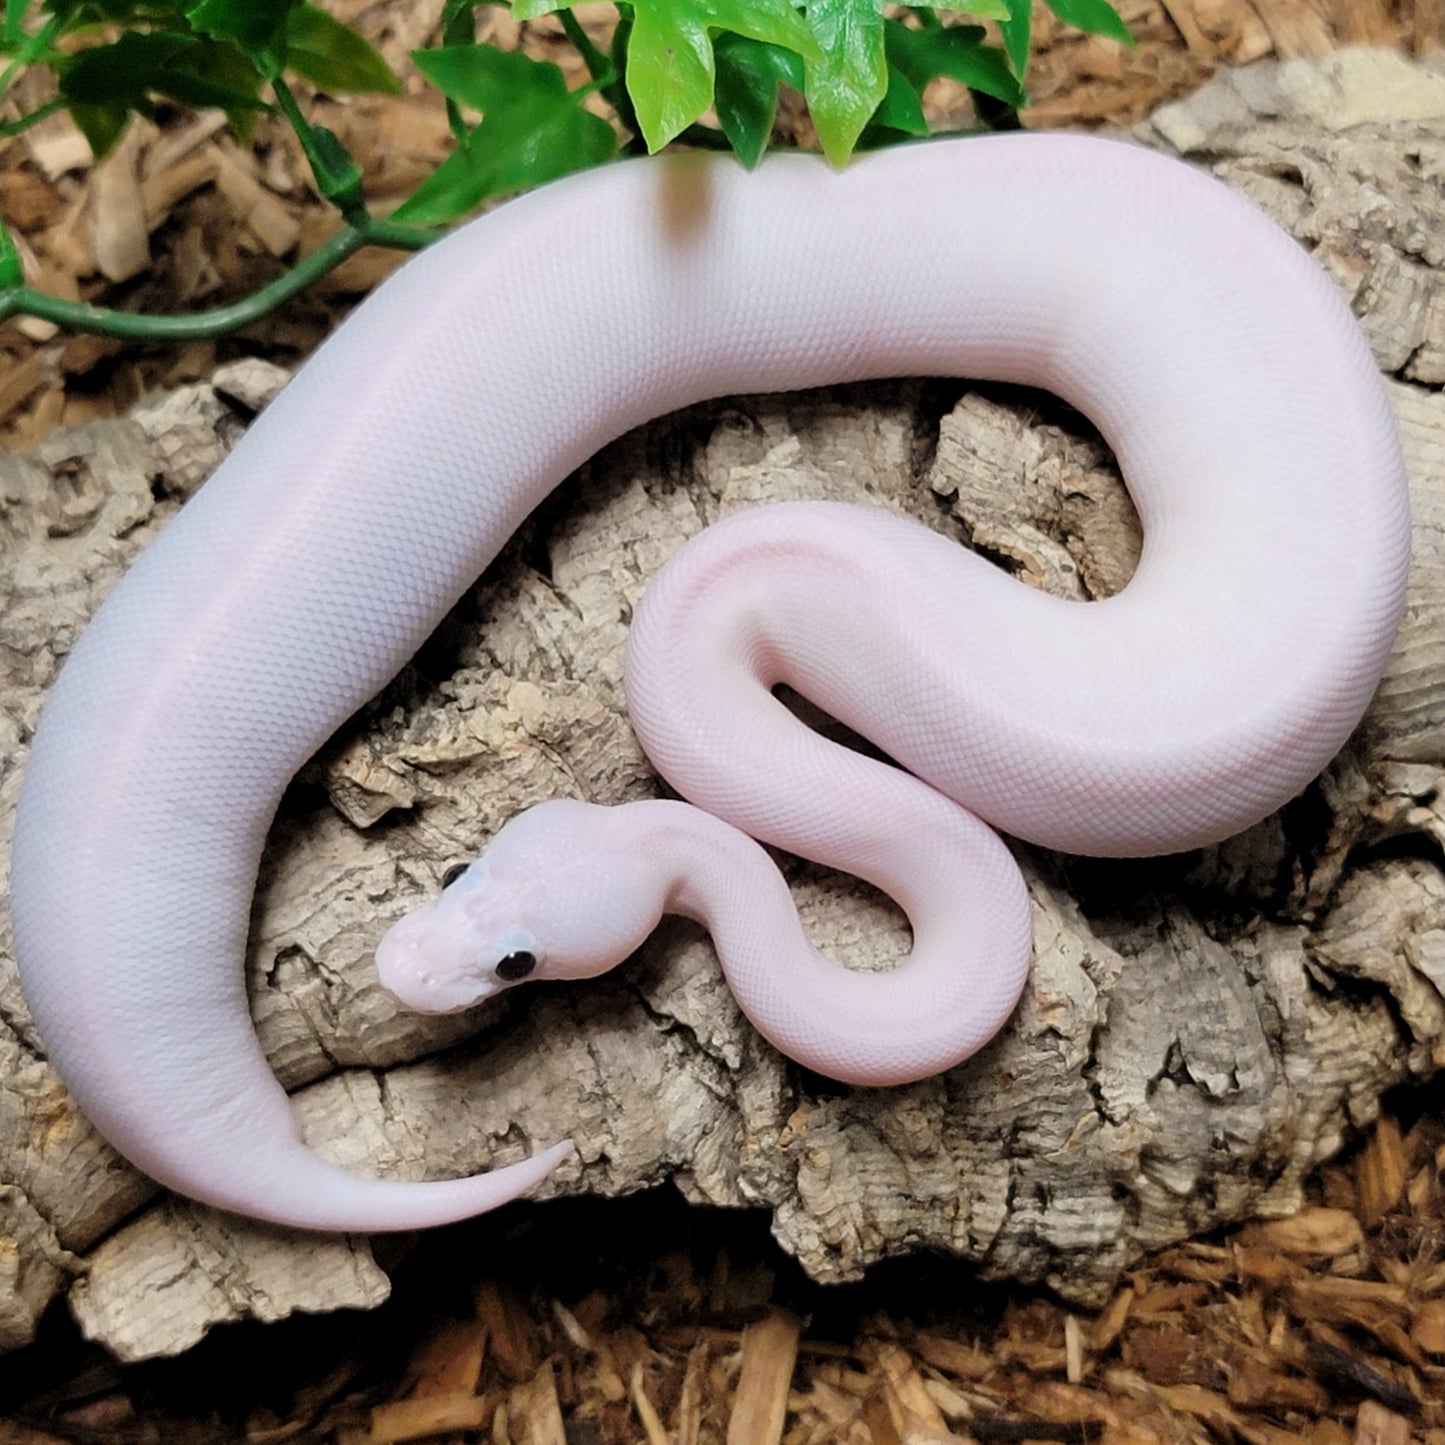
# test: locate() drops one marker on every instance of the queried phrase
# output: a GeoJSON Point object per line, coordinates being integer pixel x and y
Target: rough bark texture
{"type": "Point", "coordinates": [1197, 1034]}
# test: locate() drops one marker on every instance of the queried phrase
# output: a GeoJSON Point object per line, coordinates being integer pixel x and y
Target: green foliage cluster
{"type": "Point", "coordinates": [516, 121]}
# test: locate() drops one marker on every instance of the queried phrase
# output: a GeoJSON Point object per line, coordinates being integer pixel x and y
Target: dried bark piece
{"type": "Point", "coordinates": [1314, 1231]}
{"type": "Point", "coordinates": [1381, 1168]}
{"type": "Point", "coordinates": [1427, 1327]}
{"type": "Point", "coordinates": [162, 192]}
{"type": "Point", "coordinates": [159, 1285]}
{"type": "Point", "coordinates": [1375, 1425]}
{"type": "Point", "coordinates": [1295, 27]}
{"type": "Point", "coordinates": [912, 1413]}
{"type": "Point", "coordinates": [120, 237]}
{"type": "Point", "coordinates": [760, 1408]}
{"type": "Point", "coordinates": [689, 1405]}
{"type": "Point", "coordinates": [511, 1335]}
{"type": "Point", "coordinates": [647, 1415]}
{"type": "Point", "coordinates": [1366, 22]}
{"type": "Point", "coordinates": [21, 382]}
{"type": "Point", "coordinates": [425, 1418]}
{"type": "Point", "coordinates": [34, 1267]}
{"type": "Point", "coordinates": [57, 146]}
{"type": "Point", "coordinates": [536, 1408]}
{"type": "Point", "coordinates": [266, 217]}
{"type": "Point", "coordinates": [450, 1361]}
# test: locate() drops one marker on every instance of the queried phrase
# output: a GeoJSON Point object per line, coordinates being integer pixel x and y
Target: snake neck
{"type": "Point", "coordinates": [859, 1027]}
{"type": "Point", "coordinates": [707, 870]}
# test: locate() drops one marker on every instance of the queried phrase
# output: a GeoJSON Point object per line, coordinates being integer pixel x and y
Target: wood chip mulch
{"type": "Point", "coordinates": [182, 218]}
{"type": "Point", "coordinates": [594, 1323]}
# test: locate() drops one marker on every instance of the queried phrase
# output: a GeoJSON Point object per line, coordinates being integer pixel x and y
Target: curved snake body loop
{"type": "Point", "coordinates": [1216, 359]}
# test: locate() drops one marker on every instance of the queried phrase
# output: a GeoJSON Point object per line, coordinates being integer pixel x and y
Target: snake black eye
{"type": "Point", "coordinates": [516, 965]}
{"type": "Point", "coordinates": [453, 873]}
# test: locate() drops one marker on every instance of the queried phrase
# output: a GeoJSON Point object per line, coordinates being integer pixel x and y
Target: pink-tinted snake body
{"type": "Point", "coordinates": [1216, 359]}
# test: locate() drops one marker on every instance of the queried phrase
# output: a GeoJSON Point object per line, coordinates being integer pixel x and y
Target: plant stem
{"type": "Point", "coordinates": [289, 108]}
{"type": "Point", "coordinates": [397, 235]}
{"type": "Point", "coordinates": [14, 18]}
{"type": "Point", "coordinates": [459, 28]}
{"type": "Point", "coordinates": [616, 92]}
{"type": "Point", "coordinates": [34, 46]}
{"type": "Point", "coordinates": [598, 65]}
{"type": "Point", "coordinates": [14, 127]}
{"type": "Point", "coordinates": [128, 326]}
{"type": "Point", "coordinates": [333, 168]}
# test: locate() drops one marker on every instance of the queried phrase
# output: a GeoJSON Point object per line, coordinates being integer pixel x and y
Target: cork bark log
{"type": "Point", "coordinates": [1198, 1031]}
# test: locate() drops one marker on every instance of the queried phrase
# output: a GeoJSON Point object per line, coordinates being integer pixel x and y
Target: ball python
{"type": "Point", "coordinates": [1212, 353]}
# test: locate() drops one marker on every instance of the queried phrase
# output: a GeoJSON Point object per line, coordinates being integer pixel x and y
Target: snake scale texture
{"type": "Point", "coordinates": [1216, 359]}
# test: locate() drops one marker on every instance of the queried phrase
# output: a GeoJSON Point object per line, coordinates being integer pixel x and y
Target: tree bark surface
{"type": "Point", "coordinates": [1197, 1033]}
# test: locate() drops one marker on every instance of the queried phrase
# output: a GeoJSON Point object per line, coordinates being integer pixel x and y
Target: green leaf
{"type": "Point", "coordinates": [1017, 32]}
{"type": "Point", "coordinates": [525, 147]}
{"type": "Point", "coordinates": [669, 71]}
{"type": "Point", "coordinates": [617, 92]}
{"type": "Point", "coordinates": [124, 72]}
{"type": "Point", "coordinates": [257, 26]}
{"type": "Point", "coordinates": [333, 55]}
{"type": "Point", "coordinates": [1095, 16]}
{"type": "Point", "coordinates": [957, 51]}
{"type": "Point", "coordinates": [670, 63]}
{"type": "Point", "coordinates": [901, 109]}
{"type": "Point", "coordinates": [459, 22]}
{"type": "Point", "coordinates": [22, 123]}
{"type": "Point", "coordinates": [14, 20]}
{"type": "Point", "coordinates": [484, 77]}
{"type": "Point", "coordinates": [74, 13]}
{"type": "Point", "coordinates": [101, 125]}
{"type": "Point", "coordinates": [223, 76]}
{"type": "Point", "coordinates": [12, 269]}
{"type": "Point", "coordinates": [749, 73]}
{"type": "Point", "coordinates": [337, 174]}
{"type": "Point", "coordinates": [849, 82]}
{"type": "Point", "coordinates": [459, 27]}
{"type": "Point", "coordinates": [212, 73]}
{"type": "Point", "coordinates": [533, 129]}
{"type": "Point", "coordinates": [460, 184]}
{"type": "Point", "coordinates": [999, 10]}
{"type": "Point", "coordinates": [140, 64]}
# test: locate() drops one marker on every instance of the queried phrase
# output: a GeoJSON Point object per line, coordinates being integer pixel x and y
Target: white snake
{"type": "Point", "coordinates": [1213, 354]}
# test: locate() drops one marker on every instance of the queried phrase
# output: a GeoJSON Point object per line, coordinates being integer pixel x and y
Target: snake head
{"type": "Point", "coordinates": [548, 899]}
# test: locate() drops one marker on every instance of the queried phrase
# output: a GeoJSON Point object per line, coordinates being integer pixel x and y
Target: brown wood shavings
{"type": "Point", "coordinates": [637, 1323]}
{"type": "Point", "coordinates": [180, 218]}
